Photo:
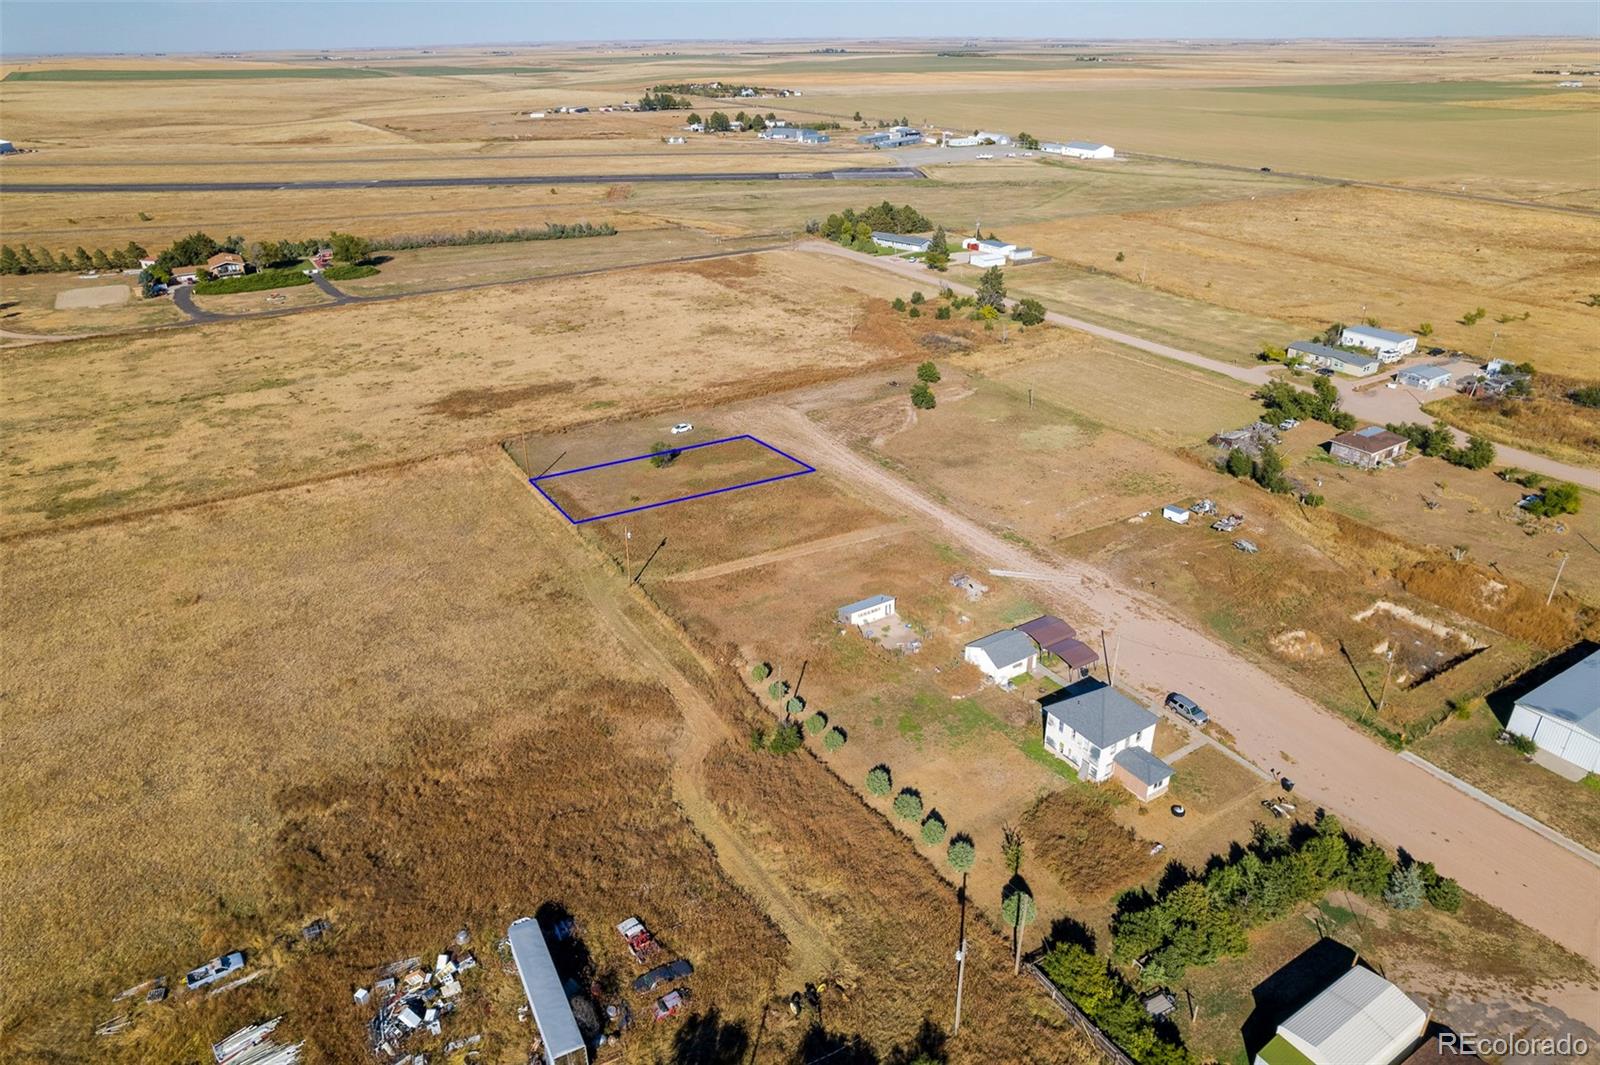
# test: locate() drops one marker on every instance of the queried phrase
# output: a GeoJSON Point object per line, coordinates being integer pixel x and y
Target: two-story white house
{"type": "Point", "coordinates": [1102, 733]}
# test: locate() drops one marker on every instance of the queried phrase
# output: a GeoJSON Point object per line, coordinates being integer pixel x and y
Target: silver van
{"type": "Point", "coordinates": [1187, 708]}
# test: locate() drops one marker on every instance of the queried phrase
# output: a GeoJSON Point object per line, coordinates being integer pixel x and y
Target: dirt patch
{"type": "Point", "coordinates": [476, 402]}
{"type": "Point", "coordinates": [719, 269]}
{"type": "Point", "coordinates": [1074, 834]}
{"type": "Point", "coordinates": [1419, 647]}
{"type": "Point", "coordinates": [95, 296]}
{"type": "Point", "coordinates": [1500, 603]}
{"type": "Point", "coordinates": [1299, 645]}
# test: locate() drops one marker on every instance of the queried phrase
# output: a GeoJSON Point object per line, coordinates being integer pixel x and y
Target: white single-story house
{"type": "Point", "coordinates": [1003, 655]}
{"type": "Point", "coordinates": [1562, 715]}
{"type": "Point", "coordinates": [1424, 377]}
{"type": "Point", "coordinates": [1360, 1017]}
{"type": "Point", "coordinates": [547, 999]}
{"type": "Point", "coordinates": [961, 141]}
{"type": "Point", "coordinates": [187, 275]}
{"type": "Point", "coordinates": [1368, 447]}
{"type": "Point", "coordinates": [1383, 341]}
{"type": "Point", "coordinates": [992, 247]}
{"type": "Point", "coordinates": [1176, 512]}
{"type": "Point", "coordinates": [873, 608]}
{"type": "Point", "coordinates": [1092, 726]}
{"type": "Point", "coordinates": [793, 134]}
{"type": "Point", "coordinates": [1080, 149]}
{"type": "Point", "coordinates": [900, 241]}
{"type": "Point", "coordinates": [146, 262]}
{"type": "Point", "coordinates": [988, 135]}
{"type": "Point", "coordinates": [1338, 359]}
{"type": "Point", "coordinates": [986, 259]}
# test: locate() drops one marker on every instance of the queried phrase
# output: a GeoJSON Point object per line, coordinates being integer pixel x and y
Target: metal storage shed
{"type": "Point", "coordinates": [1361, 1017]}
{"type": "Point", "coordinates": [1562, 715]}
{"type": "Point", "coordinates": [558, 1030]}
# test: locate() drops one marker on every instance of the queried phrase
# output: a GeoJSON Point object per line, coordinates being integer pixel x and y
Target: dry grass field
{"type": "Point", "coordinates": [1561, 427]}
{"type": "Point", "coordinates": [107, 426]}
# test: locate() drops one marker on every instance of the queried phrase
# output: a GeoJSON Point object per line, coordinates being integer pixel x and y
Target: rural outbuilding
{"type": "Point", "coordinates": [1383, 341]}
{"type": "Point", "coordinates": [1424, 377]}
{"type": "Point", "coordinates": [1141, 772]}
{"type": "Point", "coordinates": [1056, 637]}
{"type": "Point", "coordinates": [865, 612]}
{"type": "Point", "coordinates": [1003, 655]}
{"type": "Point", "coordinates": [552, 1013]}
{"type": "Point", "coordinates": [1315, 354]}
{"type": "Point", "coordinates": [1176, 512]}
{"type": "Point", "coordinates": [1080, 150]}
{"type": "Point", "coordinates": [1361, 1017]}
{"type": "Point", "coordinates": [1369, 447]}
{"type": "Point", "coordinates": [1562, 715]}
{"type": "Point", "coordinates": [1088, 724]}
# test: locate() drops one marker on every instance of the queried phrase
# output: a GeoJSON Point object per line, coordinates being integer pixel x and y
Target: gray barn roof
{"type": "Point", "coordinates": [1006, 647]}
{"type": "Point", "coordinates": [1087, 146]}
{"type": "Point", "coordinates": [1144, 766]}
{"type": "Point", "coordinates": [1426, 373]}
{"type": "Point", "coordinates": [1378, 334]}
{"type": "Point", "coordinates": [902, 238]}
{"type": "Point", "coordinates": [1572, 696]}
{"type": "Point", "coordinates": [1097, 712]}
{"type": "Point", "coordinates": [551, 1011]}
{"type": "Point", "coordinates": [1311, 347]}
{"type": "Point", "coordinates": [864, 604]}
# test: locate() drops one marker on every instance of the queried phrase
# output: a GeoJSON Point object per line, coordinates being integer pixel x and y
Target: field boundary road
{"type": "Point", "coordinates": [886, 173]}
{"type": "Point", "coordinates": [1372, 406]}
{"type": "Point", "coordinates": [1517, 870]}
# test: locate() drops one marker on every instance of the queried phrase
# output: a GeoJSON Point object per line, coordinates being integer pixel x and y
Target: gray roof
{"type": "Point", "coordinates": [1427, 373]}
{"type": "Point", "coordinates": [1097, 712]}
{"type": "Point", "coordinates": [1311, 347]}
{"type": "Point", "coordinates": [1378, 334]}
{"type": "Point", "coordinates": [1145, 767]}
{"type": "Point", "coordinates": [864, 604]}
{"type": "Point", "coordinates": [1006, 647]}
{"type": "Point", "coordinates": [901, 238]}
{"type": "Point", "coordinates": [1087, 146]}
{"type": "Point", "coordinates": [1572, 695]}
{"type": "Point", "coordinates": [551, 1011]}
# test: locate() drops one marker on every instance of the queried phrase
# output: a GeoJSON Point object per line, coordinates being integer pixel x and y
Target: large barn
{"type": "Point", "coordinates": [1562, 715]}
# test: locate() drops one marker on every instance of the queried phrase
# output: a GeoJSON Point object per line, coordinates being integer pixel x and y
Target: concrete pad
{"type": "Point", "coordinates": [1559, 766]}
{"type": "Point", "coordinates": [74, 299]}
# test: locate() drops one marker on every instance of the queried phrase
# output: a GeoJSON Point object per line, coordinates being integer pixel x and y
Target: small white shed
{"type": "Point", "coordinates": [1176, 512]}
{"type": "Point", "coordinates": [865, 612]}
{"type": "Point", "coordinates": [1003, 655]}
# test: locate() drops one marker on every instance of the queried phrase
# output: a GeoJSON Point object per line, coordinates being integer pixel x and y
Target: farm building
{"type": "Point", "coordinates": [1383, 341]}
{"type": "Point", "coordinates": [1562, 715]}
{"type": "Point", "coordinates": [900, 241]}
{"type": "Point", "coordinates": [1334, 358]}
{"type": "Point", "coordinates": [794, 135]}
{"type": "Point", "coordinates": [1080, 150]}
{"type": "Point", "coordinates": [1424, 377]}
{"type": "Point", "coordinates": [1003, 655]}
{"type": "Point", "coordinates": [186, 275]}
{"type": "Point", "coordinates": [897, 137]}
{"type": "Point", "coordinates": [1360, 1017]}
{"type": "Point", "coordinates": [1056, 637]}
{"type": "Point", "coordinates": [986, 259]}
{"type": "Point", "coordinates": [558, 1029]}
{"type": "Point", "coordinates": [873, 608]}
{"type": "Point", "coordinates": [1095, 729]}
{"type": "Point", "coordinates": [6, 147]}
{"type": "Point", "coordinates": [225, 264]}
{"type": "Point", "coordinates": [1369, 447]}
{"type": "Point", "coordinates": [988, 136]}
{"type": "Point", "coordinates": [1176, 512]}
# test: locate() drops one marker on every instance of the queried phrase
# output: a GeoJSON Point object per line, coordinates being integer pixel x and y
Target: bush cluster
{"type": "Point", "coordinates": [1102, 994]}
{"type": "Point", "coordinates": [1437, 441]}
{"type": "Point", "coordinates": [1282, 400]}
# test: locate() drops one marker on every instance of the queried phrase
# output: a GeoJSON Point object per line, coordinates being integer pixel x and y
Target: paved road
{"type": "Point", "coordinates": [330, 289]}
{"type": "Point", "coordinates": [845, 174]}
{"type": "Point", "coordinates": [1380, 405]}
{"type": "Point", "coordinates": [1367, 785]}
{"type": "Point", "coordinates": [183, 299]}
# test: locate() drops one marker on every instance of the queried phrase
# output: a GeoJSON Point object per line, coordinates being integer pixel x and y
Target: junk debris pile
{"type": "Point", "coordinates": [253, 1045]}
{"type": "Point", "coordinates": [413, 997]}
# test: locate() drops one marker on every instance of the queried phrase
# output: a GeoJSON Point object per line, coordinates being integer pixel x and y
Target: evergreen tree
{"type": "Point", "coordinates": [992, 289]}
{"type": "Point", "coordinates": [81, 261]}
{"type": "Point", "coordinates": [101, 260]}
{"type": "Point", "coordinates": [29, 261]}
{"type": "Point", "coordinates": [938, 254]}
{"type": "Point", "coordinates": [10, 263]}
{"type": "Point", "coordinates": [1405, 890]}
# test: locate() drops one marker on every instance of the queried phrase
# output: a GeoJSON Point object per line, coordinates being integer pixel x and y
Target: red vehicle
{"type": "Point", "coordinates": [641, 944]}
{"type": "Point", "coordinates": [671, 1003]}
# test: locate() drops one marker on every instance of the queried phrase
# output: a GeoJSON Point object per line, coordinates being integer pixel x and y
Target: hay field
{"type": "Point", "coordinates": [102, 427]}
{"type": "Point", "coordinates": [1347, 254]}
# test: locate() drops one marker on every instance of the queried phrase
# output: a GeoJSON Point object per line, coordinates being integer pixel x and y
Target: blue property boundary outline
{"type": "Point", "coordinates": [805, 468]}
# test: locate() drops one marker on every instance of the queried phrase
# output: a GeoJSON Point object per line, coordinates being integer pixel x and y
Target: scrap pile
{"type": "Point", "coordinates": [1250, 439]}
{"type": "Point", "coordinates": [251, 1045]}
{"type": "Point", "coordinates": [1228, 524]}
{"type": "Point", "coordinates": [411, 997]}
{"type": "Point", "coordinates": [643, 946]}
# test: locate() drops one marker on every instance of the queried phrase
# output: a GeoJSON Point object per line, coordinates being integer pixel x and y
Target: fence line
{"type": "Point", "coordinates": [1102, 1042]}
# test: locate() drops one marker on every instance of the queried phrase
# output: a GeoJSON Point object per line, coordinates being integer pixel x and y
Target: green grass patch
{"type": "Point", "coordinates": [203, 74]}
{"type": "Point", "coordinates": [1592, 782]}
{"type": "Point", "coordinates": [259, 281]}
{"type": "Point", "coordinates": [1033, 747]}
{"type": "Point", "coordinates": [349, 271]}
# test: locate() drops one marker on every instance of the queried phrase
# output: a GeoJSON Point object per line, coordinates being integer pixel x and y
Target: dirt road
{"type": "Point", "coordinates": [1368, 406]}
{"type": "Point", "coordinates": [1367, 785]}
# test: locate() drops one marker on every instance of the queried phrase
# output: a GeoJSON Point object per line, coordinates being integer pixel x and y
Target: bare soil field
{"type": "Point", "coordinates": [1293, 258]}
{"type": "Point", "coordinates": [29, 305]}
{"type": "Point", "coordinates": [104, 427]}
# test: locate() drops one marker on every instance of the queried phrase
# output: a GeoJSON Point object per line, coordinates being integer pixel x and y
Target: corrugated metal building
{"type": "Point", "coordinates": [1562, 715]}
{"type": "Point", "coordinates": [1361, 1017]}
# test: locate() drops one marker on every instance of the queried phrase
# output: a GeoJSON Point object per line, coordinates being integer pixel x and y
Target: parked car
{"type": "Point", "coordinates": [1288, 423]}
{"type": "Point", "coordinates": [669, 973]}
{"type": "Point", "coordinates": [214, 970]}
{"type": "Point", "coordinates": [1325, 371]}
{"type": "Point", "coordinates": [682, 427]}
{"type": "Point", "coordinates": [1186, 707]}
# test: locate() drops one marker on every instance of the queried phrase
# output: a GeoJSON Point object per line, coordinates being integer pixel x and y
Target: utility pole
{"type": "Point", "coordinates": [1552, 595]}
{"type": "Point", "coordinates": [1383, 696]}
{"type": "Point", "coordinates": [1030, 397]}
{"type": "Point", "coordinates": [627, 551]}
{"type": "Point", "coordinates": [1105, 656]}
{"type": "Point", "coordinates": [961, 957]}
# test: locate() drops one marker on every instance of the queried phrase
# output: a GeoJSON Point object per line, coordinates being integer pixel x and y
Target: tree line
{"type": "Point", "coordinates": [884, 218]}
{"type": "Point", "coordinates": [26, 260]}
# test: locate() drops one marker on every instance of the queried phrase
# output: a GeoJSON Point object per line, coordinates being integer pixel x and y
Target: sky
{"type": "Point", "coordinates": [30, 27]}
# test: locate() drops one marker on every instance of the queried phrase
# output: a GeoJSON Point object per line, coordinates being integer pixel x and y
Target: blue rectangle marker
{"type": "Point", "coordinates": [538, 482]}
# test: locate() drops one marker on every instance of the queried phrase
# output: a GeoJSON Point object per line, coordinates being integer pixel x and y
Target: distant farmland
{"type": "Point", "coordinates": [197, 74]}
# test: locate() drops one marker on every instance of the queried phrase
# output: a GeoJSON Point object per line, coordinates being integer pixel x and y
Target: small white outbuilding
{"type": "Point", "coordinates": [1176, 512]}
{"type": "Point", "coordinates": [866, 611]}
